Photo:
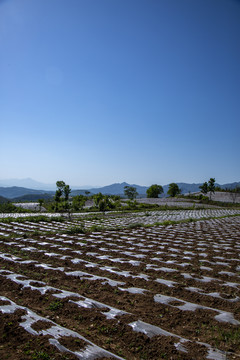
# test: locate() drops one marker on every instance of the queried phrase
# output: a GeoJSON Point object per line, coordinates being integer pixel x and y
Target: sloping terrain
{"type": "Point", "coordinates": [123, 292]}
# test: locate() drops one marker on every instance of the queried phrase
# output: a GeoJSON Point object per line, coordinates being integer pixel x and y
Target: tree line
{"type": "Point", "coordinates": [153, 191]}
{"type": "Point", "coordinates": [63, 203]}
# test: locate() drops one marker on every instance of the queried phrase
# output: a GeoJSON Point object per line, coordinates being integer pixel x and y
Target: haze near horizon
{"type": "Point", "coordinates": [101, 92]}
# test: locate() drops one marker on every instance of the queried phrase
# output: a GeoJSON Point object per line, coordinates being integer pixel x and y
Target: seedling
{"type": "Point", "coordinates": [55, 305]}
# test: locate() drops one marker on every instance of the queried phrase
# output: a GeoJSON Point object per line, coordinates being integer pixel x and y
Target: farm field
{"type": "Point", "coordinates": [112, 287]}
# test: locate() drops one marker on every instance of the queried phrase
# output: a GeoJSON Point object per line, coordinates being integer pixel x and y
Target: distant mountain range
{"type": "Point", "coordinates": [113, 189]}
{"type": "Point", "coordinates": [17, 193]}
{"type": "Point", "coordinates": [27, 183]}
{"type": "Point", "coordinates": [118, 188]}
{"type": "Point", "coordinates": [33, 184]}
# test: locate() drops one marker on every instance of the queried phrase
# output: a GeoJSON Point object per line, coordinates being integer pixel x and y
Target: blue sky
{"type": "Point", "coordinates": [94, 92]}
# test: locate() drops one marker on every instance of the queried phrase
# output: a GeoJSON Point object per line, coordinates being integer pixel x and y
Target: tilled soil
{"type": "Point", "coordinates": [143, 293]}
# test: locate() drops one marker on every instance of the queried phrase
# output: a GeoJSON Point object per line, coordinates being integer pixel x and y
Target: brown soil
{"type": "Point", "coordinates": [215, 238]}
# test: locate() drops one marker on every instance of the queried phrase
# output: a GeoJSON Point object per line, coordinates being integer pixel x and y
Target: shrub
{"type": "Point", "coordinates": [9, 207]}
{"type": "Point", "coordinates": [76, 230]}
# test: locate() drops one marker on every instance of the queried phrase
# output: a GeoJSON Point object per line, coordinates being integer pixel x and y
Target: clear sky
{"type": "Point", "coordinates": [94, 92]}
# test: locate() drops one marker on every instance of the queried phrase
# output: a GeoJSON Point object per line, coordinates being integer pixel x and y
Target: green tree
{"type": "Point", "coordinates": [204, 188]}
{"type": "Point", "coordinates": [154, 190]}
{"type": "Point", "coordinates": [78, 202]}
{"type": "Point", "coordinates": [62, 197]}
{"type": "Point", "coordinates": [66, 191]}
{"type": "Point", "coordinates": [211, 187]}
{"type": "Point", "coordinates": [40, 202]}
{"type": "Point", "coordinates": [57, 198]}
{"type": "Point", "coordinates": [97, 198]}
{"type": "Point", "coordinates": [60, 186]}
{"type": "Point", "coordinates": [106, 202]}
{"type": "Point", "coordinates": [173, 190]}
{"type": "Point", "coordinates": [130, 192]}
{"type": "Point", "coordinates": [103, 204]}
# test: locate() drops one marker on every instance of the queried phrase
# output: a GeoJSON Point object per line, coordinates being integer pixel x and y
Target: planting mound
{"type": "Point", "coordinates": [75, 290]}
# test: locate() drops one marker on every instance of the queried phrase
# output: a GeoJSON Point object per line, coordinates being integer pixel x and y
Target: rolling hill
{"type": "Point", "coordinates": [15, 193]}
